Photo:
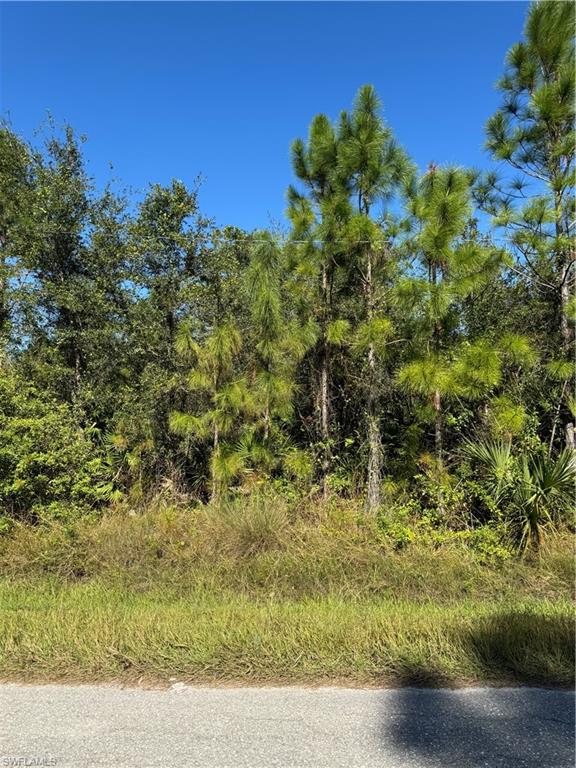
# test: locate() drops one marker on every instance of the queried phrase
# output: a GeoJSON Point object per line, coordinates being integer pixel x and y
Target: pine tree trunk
{"type": "Point", "coordinates": [556, 418]}
{"type": "Point", "coordinates": [565, 328]}
{"type": "Point", "coordinates": [324, 387]}
{"type": "Point", "coordinates": [436, 398]}
{"type": "Point", "coordinates": [4, 311]}
{"type": "Point", "coordinates": [570, 443]}
{"type": "Point", "coordinates": [565, 264]}
{"type": "Point", "coordinates": [266, 422]}
{"type": "Point", "coordinates": [374, 439]}
{"type": "Point", "coordinates": [437, 401]}
{"type": "Point", "coordinates": [374, 442]}
{"type": "Point", "coordinates": [215, 447]}
{"type": "Point", "coordinates": [267, 405]}
{"type": "Point", "coordinates": [325, 418]}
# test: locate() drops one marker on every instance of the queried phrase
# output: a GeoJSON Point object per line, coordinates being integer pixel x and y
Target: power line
{"type": "Point", "coordinates": [222, 240]}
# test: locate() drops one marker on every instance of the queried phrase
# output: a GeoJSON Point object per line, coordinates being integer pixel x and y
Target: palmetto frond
{"type": "Point", "coordinates": [253, 452]}
{"type": "Point", "coordinates": [554, 478]}
{"type": "Point", "coordinates": [496, 458]}
{"type": "Point", "coordinates": [547, 488]}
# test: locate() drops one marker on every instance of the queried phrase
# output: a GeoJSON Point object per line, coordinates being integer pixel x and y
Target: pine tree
{"type": "Point", "coordinates": [533, 132]}
{"type": "Point", "coordinates": [317, 219]}
{"type": "Point", "coordinates": [375, 166]}
{"type": "Point", "coordinates": [264, 290]}
{"type": "Point", "coordinates": [220, 396]}
{"type": "Point", "coordinates": [280, 340]}
{"type": "Point", "coordinates": [450, 268]}
{"type": "Point", "coordinates": [167, 240]}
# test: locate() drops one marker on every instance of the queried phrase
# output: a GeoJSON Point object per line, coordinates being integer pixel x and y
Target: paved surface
{"type": "Point", "coordinates": [287, 727]}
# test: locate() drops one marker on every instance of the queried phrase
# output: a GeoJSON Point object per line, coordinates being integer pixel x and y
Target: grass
{"type": "Point", "coordinates": [92, 631]}
{"type": "Point", "coordinates": [256, 595]}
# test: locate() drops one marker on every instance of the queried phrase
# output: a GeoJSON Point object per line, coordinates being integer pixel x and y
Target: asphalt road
{"type": "Point", "coordinates": [288, 727]}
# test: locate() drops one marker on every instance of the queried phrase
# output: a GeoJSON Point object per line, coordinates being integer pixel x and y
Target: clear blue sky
{"type": "Point", "coordinates": [166, 90]}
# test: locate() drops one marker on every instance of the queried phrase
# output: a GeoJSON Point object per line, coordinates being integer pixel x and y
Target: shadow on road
{"type": "Point", "coordinates": [527, 727]}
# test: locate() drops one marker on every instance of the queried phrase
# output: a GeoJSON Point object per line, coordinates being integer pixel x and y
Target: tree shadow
{"type": "Point", "coordinates": [523, 647]}
{"type": "Point", "coordinates": [520, 727]}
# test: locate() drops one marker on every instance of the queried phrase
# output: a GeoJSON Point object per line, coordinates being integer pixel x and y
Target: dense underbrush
{"type": "Point", "coordinates": [262, 545]}
{"type": "Point", "coordinates": [262, 590]}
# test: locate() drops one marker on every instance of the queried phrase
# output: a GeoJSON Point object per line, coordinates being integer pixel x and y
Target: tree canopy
{"type": "Point", "coordinates": [403, 317]}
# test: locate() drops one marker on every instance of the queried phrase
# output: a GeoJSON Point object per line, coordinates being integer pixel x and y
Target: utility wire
{"type": "Point", "coordinates": [219, 240]}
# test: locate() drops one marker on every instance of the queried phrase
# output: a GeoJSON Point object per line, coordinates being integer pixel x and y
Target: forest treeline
{"type": "Point", "coordinates": [409, 339]}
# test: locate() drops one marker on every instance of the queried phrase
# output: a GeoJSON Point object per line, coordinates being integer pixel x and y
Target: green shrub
{"type": "Point", "coordinates": [48, 464]}
{"type": "Point", "coordinates": [489, 541]}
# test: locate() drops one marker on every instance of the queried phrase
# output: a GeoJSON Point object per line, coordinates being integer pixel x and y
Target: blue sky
{"type": "Point", "coordinates": [173, 90]}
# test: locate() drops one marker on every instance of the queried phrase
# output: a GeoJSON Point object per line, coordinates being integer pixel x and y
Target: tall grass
{"type": "Point", "coordinates": [92, 631]}
{"type": "Point", "coordinates": [258, 591]}
{"type": "Point", "coordinates": [261, 548]}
